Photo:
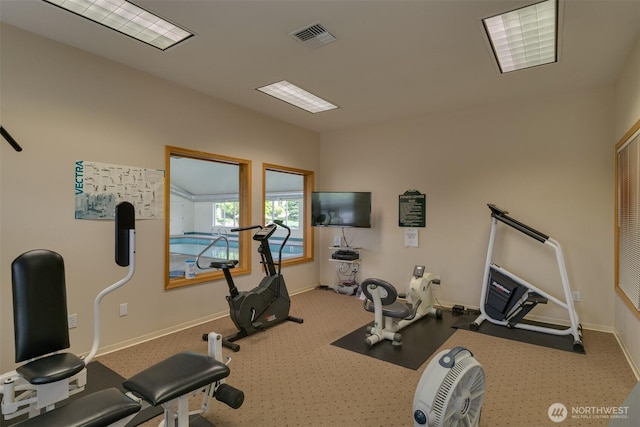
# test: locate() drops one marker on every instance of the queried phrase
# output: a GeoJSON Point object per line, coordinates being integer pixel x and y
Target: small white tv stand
{"type": "Point", "coordinates": [346, 270]}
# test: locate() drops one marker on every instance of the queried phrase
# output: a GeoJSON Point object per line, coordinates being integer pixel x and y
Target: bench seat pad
{"type": "Point", "coordinates": [178, 375]}
{"type": "Point", "coordinates": [52, 368]}
{"type": "Point", "coordinates": [93, 410]}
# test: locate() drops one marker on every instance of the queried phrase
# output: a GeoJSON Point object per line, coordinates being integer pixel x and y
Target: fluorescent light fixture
{"type": "Point", "coordinates": [128, 19]}
{"type": "Point", "coordinates": [294, 95]}
{"type": "Point", "coordinates": [525, 37]}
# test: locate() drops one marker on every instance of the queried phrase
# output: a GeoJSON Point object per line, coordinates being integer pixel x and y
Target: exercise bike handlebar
{"type": "Point", "coordinates": [283, 225]}
{"type": "Point", "coordinates": [235, 230]}
{"type": "Point", "coordinates": [279, 222]}
{"type": "Point", "coordinates": [501, 215]}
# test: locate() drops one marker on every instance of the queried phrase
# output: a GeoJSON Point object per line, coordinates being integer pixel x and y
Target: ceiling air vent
{"type": "Point", "coordinates": [313, 36]}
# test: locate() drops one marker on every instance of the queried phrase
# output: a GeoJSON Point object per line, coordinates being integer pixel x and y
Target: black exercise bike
{"type": "Point", "coordinates": [267, 304]}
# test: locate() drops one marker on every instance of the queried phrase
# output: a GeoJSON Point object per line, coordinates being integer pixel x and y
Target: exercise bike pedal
{"type": "Point", "coordinates": [258, 326]}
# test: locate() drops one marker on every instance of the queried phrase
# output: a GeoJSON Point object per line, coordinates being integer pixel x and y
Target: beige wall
{"type": "Point", "coordinates": [63, 105]}
{"type": "Point", "coordinates": [547, 161]}
{"type": "Point", "coordinates": [627, 114]}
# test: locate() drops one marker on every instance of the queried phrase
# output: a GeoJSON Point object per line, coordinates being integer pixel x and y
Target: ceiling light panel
{"type": "Point", "coordinates": [129, 19]}
{"type": "Point", "coordinates": [299, 97]}
{"type": "Point", "coordinates": [525, 37]}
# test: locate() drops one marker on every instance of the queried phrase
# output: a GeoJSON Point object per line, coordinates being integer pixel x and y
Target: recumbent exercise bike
{"type": "Point", "coordinates": [390, 315]}
{"type": "Point", "coordinates": [267, 304]}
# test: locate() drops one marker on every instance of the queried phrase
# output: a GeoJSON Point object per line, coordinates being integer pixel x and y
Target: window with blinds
{"type": "Point", "coordinates": [628, 218]}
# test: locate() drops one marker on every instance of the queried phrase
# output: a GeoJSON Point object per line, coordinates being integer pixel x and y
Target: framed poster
{"type": "Point", "coordinates": [100, 187]}
{"type": "Point", "coordinates": [412, 210]}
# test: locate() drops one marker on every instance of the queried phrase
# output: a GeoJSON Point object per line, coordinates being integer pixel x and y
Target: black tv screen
{"type": "Point", "coordinates": [341, 209]}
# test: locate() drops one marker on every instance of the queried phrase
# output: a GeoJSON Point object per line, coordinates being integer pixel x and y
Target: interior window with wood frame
{"type": "Point", "coordinates": [287, 198]}
{"type": "Point", "coordinates": [207, 196]}
{"type": "Point", "coordinates": [627, 219]}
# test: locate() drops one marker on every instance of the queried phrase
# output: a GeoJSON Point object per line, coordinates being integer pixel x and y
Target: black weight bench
{"type": "Point", "coordinates": [167, 383]}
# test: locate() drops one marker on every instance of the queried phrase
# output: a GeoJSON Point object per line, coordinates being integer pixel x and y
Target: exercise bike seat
{"type": "Point", "coordinates": [396, 310]}
{"type": "Point", "coordinates": [223, 263]}
{"type": "Point", "coordinates": [390, 306]}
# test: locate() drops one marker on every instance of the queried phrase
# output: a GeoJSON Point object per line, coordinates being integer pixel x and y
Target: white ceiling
{"type": "Point", "coordinates": [392, 59]}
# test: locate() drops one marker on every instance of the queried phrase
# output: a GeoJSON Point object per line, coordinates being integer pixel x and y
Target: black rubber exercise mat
{"type": "Point", "coordinates": [559, 342]}
{"type": "Point", "coordinates": [420, 340]}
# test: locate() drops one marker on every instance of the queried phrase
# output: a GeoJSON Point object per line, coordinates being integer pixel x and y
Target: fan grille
{"type": "Point", "coordinates": [464, 380]}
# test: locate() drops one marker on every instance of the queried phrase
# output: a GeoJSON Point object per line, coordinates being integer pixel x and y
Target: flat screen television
{"type": "Point", "coordinates": [341, 209]}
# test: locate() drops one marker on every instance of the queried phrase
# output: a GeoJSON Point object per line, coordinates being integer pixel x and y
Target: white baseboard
{"type": "Point", "coordinates": [627, 355]}
{"type": "Point", "coordinates": [158, 334]}
{"type": "Point", "coordinates": [303, 290]}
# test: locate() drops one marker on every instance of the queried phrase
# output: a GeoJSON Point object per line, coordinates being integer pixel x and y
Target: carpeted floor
{"type": "Point", "coordinates": [292, 376]}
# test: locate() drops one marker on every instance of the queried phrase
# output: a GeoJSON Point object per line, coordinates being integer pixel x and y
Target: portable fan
{"type": "Point", "coordinates": [450, 391]}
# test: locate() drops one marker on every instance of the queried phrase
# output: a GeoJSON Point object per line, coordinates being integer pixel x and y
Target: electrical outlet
{"type": "Point", "coordinates": [337, 241]}
{"type": "Point", "coordinates": [576, 296]}
{"type": "Point", "coordinates": [124, 309]}
{"type": "Point", "coordinates": [72, 320]}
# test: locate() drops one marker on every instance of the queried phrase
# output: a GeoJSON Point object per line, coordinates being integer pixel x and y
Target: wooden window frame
{"type": "Point", "coordinates": [623, 295]}
{"type": "Point", "coordinates": [244, 239]}
{"type": "Point", "coordinates": [307, 231]}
